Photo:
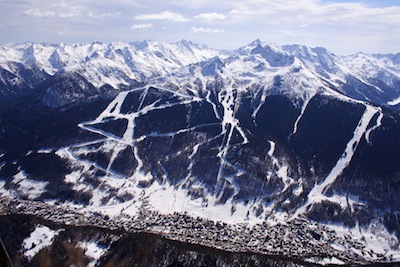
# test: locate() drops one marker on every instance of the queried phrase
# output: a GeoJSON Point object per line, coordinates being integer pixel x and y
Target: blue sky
{"type": "Point", "coordinates": [342, 26]}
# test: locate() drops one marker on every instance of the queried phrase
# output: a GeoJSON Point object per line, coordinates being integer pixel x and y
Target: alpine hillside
{"type": "Point", "coordinates": [285, 155]}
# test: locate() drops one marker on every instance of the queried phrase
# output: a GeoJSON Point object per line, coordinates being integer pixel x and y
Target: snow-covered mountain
{"type": "Point", "coordinates": [25, 66]}
{"type": "Point", "coordinates": [260, 138]}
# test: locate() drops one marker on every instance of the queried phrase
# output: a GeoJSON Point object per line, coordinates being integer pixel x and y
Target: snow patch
{"type": "Point", "coordinates": [3, 191]}
{"type": "Point", "coordinates": [44, 151]}
{"type": "Point", "coordinates": [329, 261]}
{"type": "Point", "coordinates": [72, 178]}
{"type": "Point", "coordinates": [93, 251]}
{"type": "Point", "coordinates": [40, 238]}
{"type": "Point", "coordinates": [167, 199]}
{"type": "Point", "coordinates": [28, 187]}
{"type": "Point", "coordinates": [376, 239]}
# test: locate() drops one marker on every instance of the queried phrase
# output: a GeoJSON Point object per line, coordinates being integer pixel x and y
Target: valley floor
{"type": "Point", "coordinates": [300, 242]}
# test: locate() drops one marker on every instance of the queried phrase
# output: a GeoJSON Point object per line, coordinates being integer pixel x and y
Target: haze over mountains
{"type": "Point", "coordinates": [267, 136]}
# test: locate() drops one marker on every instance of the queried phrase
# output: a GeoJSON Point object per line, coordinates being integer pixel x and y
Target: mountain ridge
{"type": "Point", "coordinates": [128, 63]}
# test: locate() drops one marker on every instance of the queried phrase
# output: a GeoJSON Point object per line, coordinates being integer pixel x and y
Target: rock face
{"type": "Point", "coordinates": [261, 136]}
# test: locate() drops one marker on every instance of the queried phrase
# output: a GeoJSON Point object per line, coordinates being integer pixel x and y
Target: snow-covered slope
{"type": "Point", "coordinates": [373, 78]}
{"type": "Point", "coordinates": [381, 72]}
{"type": "Point", "coordinates": [217, 88]}
{"type": "Point", "coordinates": [115, 64]}
{"type": "Point", "coordinates": [265, 135]}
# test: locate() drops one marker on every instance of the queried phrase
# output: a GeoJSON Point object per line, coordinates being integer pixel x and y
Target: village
{"type": "Point", "coordinates": [298, 239]}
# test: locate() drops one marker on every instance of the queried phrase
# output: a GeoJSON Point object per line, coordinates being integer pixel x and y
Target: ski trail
{"type": "Point", "coordinates": [208, 99]}
{"type": "Point", "coordinates": [303, 109]}
{"type": "Point", "coordinates": [262, 101]}
{"type": "Point", "coordinates": [143, 97]}
{"type": "Point", "coordinates": [89, 143]}
{"type": "Point", "coordinates": [282, 171]}
{"type": "Point", "coordinates": [377, 125]}
{"type": "Point", "coordinates": [191, 156]}
{"type": "Point", "coordinates": [116, 150]}
{"type": "Point", "coordinates": [113, 111]}
{"type": "Point", "coordinates": [66, 152]}
{"type": "Point", "coordinates": [107, 135]}
{"type": "Point", "coordinates": [191, 164]}
{"type": "Point", "coordinates": [227, 103]}
{"type": "Point", "coordinates": [316, 195]}
{"type": "Point", "coordinates": [272, 148]}
{"type": "Point", "coordinates": [130, 129]}
{"type": "Point", "coordinates": [137, 158]}
{"type": "Point", "coordinates": [114, 108]}
{"type": "Point", "coordinates": [170, 134]}
{"type": "Point", "coordinates": [229, 124]}
{"type": "Point", "coordinates": [194, 98]}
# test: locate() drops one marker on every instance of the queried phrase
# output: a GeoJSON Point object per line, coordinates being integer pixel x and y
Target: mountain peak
{"type": "Point", "coordinates": [272, 56]}
{"type": "Point", "coordinates": [256, 42]}
{"type": "Point", "coordinates": [212, 66]}
{"type": "Point", "coordinates": [141, 45]}
{"type": "Point", "coordinates": [184, 42]}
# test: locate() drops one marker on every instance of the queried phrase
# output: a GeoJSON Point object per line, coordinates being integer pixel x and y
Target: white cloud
{"type": "Point", "coordinates": [103, 15]}
{"type": "Point", "coordinates": [61, 4]}
{"type": "Point", "coordinates": [58, 10]}
{"type": "Point", "coordinates": [36, 12]}
{"type": "Point", "coordinates": [165, 15]}
{"type": "Point", "coordinates": [67, 15]}
{"type": "Point", "coordinates": [316, 11]}
{"type": "Point", "coordinates": [2, 26]}
{"type": "Point", "coordinates": [210, 16]}
{"type": "Point", "coordinates": [206, 30]}
{"type": "Point", "coordinates": [144, 26]}
{"type": "Point", "coordinates": [304, 25]}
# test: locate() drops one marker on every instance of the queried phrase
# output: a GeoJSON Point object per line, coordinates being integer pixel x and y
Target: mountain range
{"type": "Point", "coordinates": [247, 141]}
